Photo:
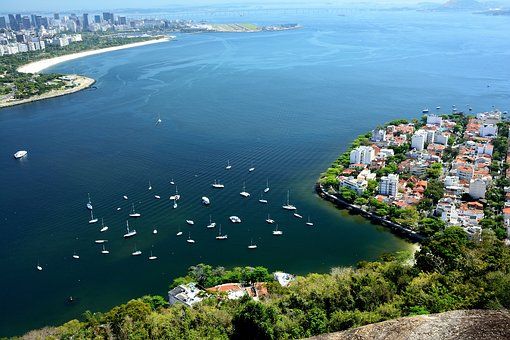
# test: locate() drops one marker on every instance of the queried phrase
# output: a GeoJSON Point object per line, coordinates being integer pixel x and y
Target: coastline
{"type": "Point", "coordinates": [40, 65]}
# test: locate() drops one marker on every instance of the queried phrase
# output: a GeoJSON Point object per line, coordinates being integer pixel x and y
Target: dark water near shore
{"type": "Point", "coordinates": [286, 102]}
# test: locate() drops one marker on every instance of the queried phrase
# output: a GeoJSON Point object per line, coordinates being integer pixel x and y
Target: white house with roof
{"type": "Point", "coordinates": [433, 119]}
{"type": "Point", "coordinates": [187, 294]}
{"type": "Point", "coordinates": [488, 130]}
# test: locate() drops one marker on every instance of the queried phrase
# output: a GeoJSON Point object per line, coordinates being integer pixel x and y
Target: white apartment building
{"type": "Point", "coordinates": [362, 155]}
{"type": "Point", "coordinates": [418, 140]}
{"type": "Point", "coordinates": [388, 186]}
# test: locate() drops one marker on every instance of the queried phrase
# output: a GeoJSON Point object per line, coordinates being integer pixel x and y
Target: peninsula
{"type": "Point", "coordinates": [422, 177]}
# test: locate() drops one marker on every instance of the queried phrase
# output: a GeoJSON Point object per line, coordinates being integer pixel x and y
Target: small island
{"type": "Point", "coordinates": [420, 177]}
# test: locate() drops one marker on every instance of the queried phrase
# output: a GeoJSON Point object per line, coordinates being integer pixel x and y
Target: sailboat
{"type": "Point", "coordinates": [269, 220]}
{"type": "Point", "coordinates": [176, 196]}
{"type": "Point", "coordinates": [267, 186]}
{"type": "Point", "coordinates": [211, 223]}
{"type": "Point", "coordinates": [252, 168]}
{"type": "Point", "coordinates": [244, 193]}
{"type": "Point", "coordinates": [89, 204]}
{"type": "Point", "coordinates": [190, 240]}
{"type": "Point", "coordinates": [133, 212]}
{"type": "Point", "coordinates": [217, 185]}
{"type": "Point", "coordinates": [100, 241]}
{"type": "Point", "coordinates": [119, 209]}
{"type": "Point", "coordinates": [277, 232]}
{"type": "Point", "coordinates": [297, 215]}
{"type": "Point", "coordinates": [172, 181]}
{"type": "Point", "coordinates": [175, 204]}
{"type": "Point", "coordinates": [262, 199]}
{"type": "Point", "coordinates": [309, 223]}
{"type": "Point", "coordinates": [76, 256]}
{"type": "Point", "coordinates": [103, 227]}
{"type": "Point", "coordinates": [228, 167]}
{"type": "Point", "coordinates": [39, 267]}
{"type": "Point", "coordinates": [220, 236]}
{"type": "Point", "coordinates": [104, 251]}
{"type": "Point", "coordinates": [92, 219]}
{"type": "Point", "coordinates": [136, 252]}
{"type": "Point", "coordinates": [150, 186]}
{"type": "Point", "coordinates": [125, 197]}
{"type": "Point", "coordinates": [130, 233]}
{"type": "Point", "coordinates": [159, 120]}
{"type": "Point", "coordinates": [206, 200]}
{"type": "Point", "coordinates": [190, 222]}
{"type": "Point", "coordinates": [155, 231]}
{"type": "Point", "coordinates": [288, 206]}
{"type": "Point", "coordinates": [152, 257]}
{"type": "Point", "coordinates": [252, 246]}
{"type": "Point", "coordinates": [157, 197]}
{"type": "Point", "coordinates": [179, 232]}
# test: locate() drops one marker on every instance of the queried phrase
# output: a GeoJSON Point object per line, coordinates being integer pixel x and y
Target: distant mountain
{"type": "Point", "coordinates": [463, 5]}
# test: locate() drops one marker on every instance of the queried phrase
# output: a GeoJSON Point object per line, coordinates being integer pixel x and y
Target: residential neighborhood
{"type": "Point", "coordinates": [445, 170]}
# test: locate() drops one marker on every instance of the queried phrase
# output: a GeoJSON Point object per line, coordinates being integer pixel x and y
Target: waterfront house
{"type": "Point", "coordinates": [187, 294]}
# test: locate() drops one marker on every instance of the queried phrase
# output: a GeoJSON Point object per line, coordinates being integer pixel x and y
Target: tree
{"type": "Point", "coordinates": [254, 320]}
{"type": "Point", "coordinates": [435, 190]}
{"type": "Point", "coordinates": [430, 225]}
{"type": "Point", "coordinates": [435, 170]}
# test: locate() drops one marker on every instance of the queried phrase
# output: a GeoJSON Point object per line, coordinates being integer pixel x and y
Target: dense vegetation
{"type": "Point", "coordinates": [449, 272]}
{"type": "Point", "coordinates": [23, 85]}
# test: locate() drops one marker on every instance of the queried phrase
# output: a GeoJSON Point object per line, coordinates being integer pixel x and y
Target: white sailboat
{"type": "Point", "coordinates": [152, 257]}
{"type": "Point", "coordinates": [103, 227]}
{"type": "Point", "coordinates": [159, 120]}
{"type": "Point", "coordinates": [104, 251]}
{"type": "Point", "coordinates": [190, 222]}
{"type": "Point", "coordinates": [252, 168]}
{"type": "Point", "coordinates": [217, 185]}
{"type": "Point", "coordinates": [220, 236]}
{"type": "Point", "coordinates": [309, 223]}
{"type": "Point", "coordinates": [119, 208]}
{"type": "Point", "coordinates": [157, 197]}
{"type": "Point", "coordinates": [76, 256]}
{"type": "Point", "coordinates": [155, 231]}
{"type": "Point", "coordinates": [89, 204]}
{"type": "Point", "coordinates": [172, 181]}
{"type": "Point", "coordinates": [100, 241]}
{"type": "Point", "coordinates": [39, 267]}
{"type": "Point", "coordinates": [175, 197]}
{"type": "Point", "coordinates": [20, 154]}
{"type": "Point", "coordinates": [297, 215]}
{"type": "Point", "coordinates": [228, 167]}
{"type": "Point", "coordinates": [244, 193]}
{"type": "Point", "coordinates": [206, 200]}
{"type": "Point", "coordinates": [133, 212]}
{"type": "Point", "coordinates": [269, 219]}
{"type": "Point", "coordinates": [130, 233]}
{"type": "Point", "coordinates": [262, 199]}
{"type": "Point", "coordinates": [190, 240]}
{"type": "Point", "coordinates": [252, 246]}
{"type": "Point", "coordinates": [179, 232]}
{"type": "Point", "coordinates": [125, 197]}
{"type": "Point", "coordinates": [277, 232]}
{"type": "Point", "coordinates": [288, 206]}
{"type": "Point", "coordinates": [92, 219]}
{"type": "Point", "coordinates": [136, 252]}
{"type": "Point", "coordinates": [150, 186]}
{"type": "Point", "coordinates": [267, 186]}
{"type": "Point", "coordinates": [211, 223]}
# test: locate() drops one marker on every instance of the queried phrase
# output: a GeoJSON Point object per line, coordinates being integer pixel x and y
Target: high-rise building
{"type": "Point", "coordinates": [388, 185]}
{"type": "Point", "coordinates": [13, 23]}
{"type": "Point", "coordinates": [32, 20]}
{"type": "Point", "coordinates": [3, 23]}
{"type": "Point", "coordinates": [85, 23]}
{"type": "Point", "coordinates": [25, 23]}
{"type": "Point", "coordinates": [362, 155]}
{"type": "Point", "coordinates": [45, 22]}
{"type": "Point", "coordinates": [108, 17]}
{"type": "Point", "coordinates": [122, 21]}
{"type": "Point", "coordinates": [97, 19]}
{"type": "Point", "coordinates": [56, 16]}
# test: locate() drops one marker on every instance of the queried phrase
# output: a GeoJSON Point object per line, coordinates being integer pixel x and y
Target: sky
{"type": "Point", "coordinates": [63, 5]}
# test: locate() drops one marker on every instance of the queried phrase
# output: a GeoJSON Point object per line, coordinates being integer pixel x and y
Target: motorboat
{"type": "Point", "coordinates": [190, 222]}
{"type": "Point", "coordinates": [235, 219]}
{"type": "Point", "coordinates": [20, 154]}
{"type": "Point", "coordinates": [205, 200]}
{"type": "Point", "coordinates": [157, 197]}
{"type": "Point", "coordinates": [297, 215]}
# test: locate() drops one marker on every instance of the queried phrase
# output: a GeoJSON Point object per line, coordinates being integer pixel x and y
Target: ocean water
{"type": "Point", "coordinates": [286, 103]}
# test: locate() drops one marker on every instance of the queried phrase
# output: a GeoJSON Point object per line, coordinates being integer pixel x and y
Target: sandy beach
{"type": "Point", "coordinates": [40, 65]}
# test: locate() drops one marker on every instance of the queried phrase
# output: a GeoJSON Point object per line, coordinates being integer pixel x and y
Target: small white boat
{"type": "Point", "coordinates": [262, 199]}
{"type": "Point", "coordinates": [119, 208]}
{"type": "Point", "coordinates": [217, 185]}
{"type": "Point", "coordinates": [220, 236]}
{"type": "Point", "coordinates": [228, 167]}
{"type": "Point", "coordinates": [130, 233]}
{"type": "Point", "coordinates": [267, 186]}
{"type": "Point", "coordinates": [251, 169]}
{"type": "Point", "coordinates": [92, 219]}
{"type": "Point", "coordinates": [309, 223]}
{"type": "Point", "coordinates": [157, 197]}
{"type": "Point", "coordinates": [155, 231]}
{"type": "Point", "coordinates": [288, 206]}
{"type": "Point", "coordinates": [136, 252]}
{"type": "Point", "coordinates": [76, 256]}
{"type": "Point", "coordinates": [152, 257]}
{"type": "Point", "coordinates": [150, 186]}
{"type": "Point", "coordinates": [190, 222]}
{"type": "Point", "coordinates": [179, 233]}
{"type": "Point", "coordinates": [205, 200]}
{"type": "Point", "coordinates": [269, 220]}
{"type": "Point", "coordinates": [175, 197]}
{"type": "Point", "coordinates": [104, 251]}
{"type": "Point", "coordinates": [297, 215]}
{"type": "Point", "coordinates": [125, 197]}
{"type": "Point", "coordinates": [175, 205]}
{"type": "Point", "coordinates": [89, 203]}
{"type": "Point", "coordinates": [252, 246]}
{"type": "Point", "coordinates": [277, 232]}
{"type": "Point", "coordinates": [172, 182]}
{"type": "Point", "coordinates": [190, 240]}
{"type": "Point", "coordinates": [99, 241]}
{"type": "Point", "coordinates": [158, 121]}
{"type": "Point", "coordinates": [39, 267]}
{"type": "Point", "coordinates": [103, 227]}
{"type": "Point", "coordinates": [20, 154]}
{"type": "Point", "coordinates": [438, 107]}
{"type": "Point", "coordinates": [244, 193]}
{"type": "Point", "coordinates": [211, 223]}
{"type": "Point", "coordinates": [235, 219]}
{"type": "Point", "coordinates": [133, 212]}
{"type": "Point", "coordinates": [425, 111]}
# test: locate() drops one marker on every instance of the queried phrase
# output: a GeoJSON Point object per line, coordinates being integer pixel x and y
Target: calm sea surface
{"type": "Point", "coordinates": [286, 103]}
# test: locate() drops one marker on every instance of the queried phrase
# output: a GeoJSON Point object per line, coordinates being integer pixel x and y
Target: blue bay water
{"type": "Point", "coordinates": [285, 102]}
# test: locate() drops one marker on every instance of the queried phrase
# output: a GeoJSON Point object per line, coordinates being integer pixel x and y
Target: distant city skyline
{"type": "Point", "coordinates": [76, 5]}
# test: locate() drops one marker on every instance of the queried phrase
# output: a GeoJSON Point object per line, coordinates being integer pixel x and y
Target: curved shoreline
{"type": "Point", "coordinates": [40, 65]}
